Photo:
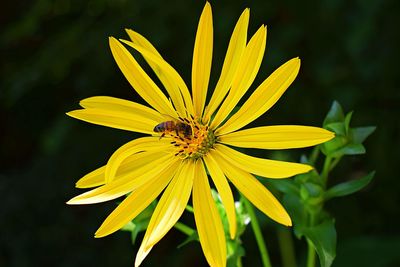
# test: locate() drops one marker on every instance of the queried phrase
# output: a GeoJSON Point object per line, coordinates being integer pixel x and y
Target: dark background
{"type": "Point", "coordinates": [55, 53]}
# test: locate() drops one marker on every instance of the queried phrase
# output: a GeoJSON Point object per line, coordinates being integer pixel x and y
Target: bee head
{"type": "Point", "coordinates": [159, 128]}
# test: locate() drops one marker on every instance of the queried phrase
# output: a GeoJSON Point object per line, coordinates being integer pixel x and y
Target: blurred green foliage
{"type": "Point", "coordinates": [55, 52]}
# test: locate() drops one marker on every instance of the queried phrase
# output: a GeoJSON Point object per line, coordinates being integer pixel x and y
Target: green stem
{"type": "Point", "coordinates": [257, 233]}
{"type": "Point", "coordinates": [326, 169]}
{"type": "Point", "coordinates": [189, 209]}
{"type": "Point", "coordinates": [184, 228]}
{"type": "Point", "coordinates": [311, 250]}
{"type": "Point", "coordinates": [310, 254]}
{"type": "Point", "coordinates": [286, 247]}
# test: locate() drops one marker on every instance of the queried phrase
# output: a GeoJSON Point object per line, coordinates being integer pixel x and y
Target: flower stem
{"type": "Point", "coordinates": [311, 250]}
{"type": "Point", "coordinates": [184, 228]}
{"type": "Point", "coordinates": [325, 170]}
{"type": "Point", "coordinates": [286, 247]}
{"type": "Point", "coordinates": [310, 254]}
{"type": "Point", "coordinates": [257, 233]}
{"type": "Point", "coordinates": [189, 208]}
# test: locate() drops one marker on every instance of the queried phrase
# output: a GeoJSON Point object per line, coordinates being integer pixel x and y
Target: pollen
{"type": "Point", "coordinates": [191, 138]}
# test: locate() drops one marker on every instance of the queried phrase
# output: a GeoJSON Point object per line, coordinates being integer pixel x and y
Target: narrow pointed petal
{"type": "Point", "coordinates": [225, 192]}
{"type": "Point", "coordinates": [168, 76]}
{"type": "Point", "coordinates": [208, 221]}
{"type": "Point", "coordinates": [115, 119]}
{"type": "Point", "coordinates": [136, 202]}
{"type": "Point", "coordinates": [139, 39]}
{"type": "Point", "coordinates": [168, 210]}
{"type": "Point", "coordinates": [264, 97]}
{"type": "Point", "coordinates": [133, 162]}
{"type": "Point", "coordinates": [277, 137]}
{"type": "Point", "coordinates": [262, 167]}
{"type": "Point", "coordinates": [254, 191]}
{"type": "Point", "coordinates": [236, 46]}
{"type": "Point", "coordinates": [248, 67]}
{"type": "Point", "coordinates": [139, 80]}
{"type": "Point", "coordinates": [126, 184]}
{"type": "Point", "coordinates": [131, 148]}
{"type": "Point", "coordinates": [202, 56]}
{"type": "Point", "coordinates": [141, 255]}
{"type": "Point", "coordinates": [121, 105]}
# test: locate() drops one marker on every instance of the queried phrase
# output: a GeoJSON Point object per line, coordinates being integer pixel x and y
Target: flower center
{"type": "Point", "coordinates": [191, 138]}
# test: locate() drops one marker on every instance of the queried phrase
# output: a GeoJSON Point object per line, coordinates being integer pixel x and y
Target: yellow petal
{"type": "Point", "coordinates": [125, 184]}
{"type": "Point", "coordinates": [168, 210]}
{"type": "Point", "coordinates": [142, 254]}
{"type": "Point", "coordinates": [139, 80]}
{"type": "Point", "coordinates": [136, 202]}
{"type": "Point", "coordinates": [254, 191]}
{"type": "Point", "coordinates": [262, 167]}
{"type": "Point", "coordinates": [169, 77]}
{"type": "Point", "coordinates": [171, 205]}
{"type": "Point", "coordinates": [115, 119]}
{"type": "Point", "coordinates": [202, 56]}
{"type": "Point", "coordinates": [139, 39]}
{"type": "Point", "coordinates": [208, 221]}
{"type": "Point", "coordinates": [236, 46]}
{"type": "Point", "coordinates": [248, 67]}
{"type": "Point", "coordinates": [133, 162]}
{"type": "Point", "coordinates": [120, 105]}
{"type": "Point", "coordinates": [264, 97]}
{"type": "Point", "coordinates": [131, 148]}
{"type": "Point", "coordinates": [224, 190]}
{"type": "Point", "coordinates": [277, 137]}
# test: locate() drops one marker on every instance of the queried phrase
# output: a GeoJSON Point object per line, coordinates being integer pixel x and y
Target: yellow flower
{"type": "Point", "coordinates": [188, 137]}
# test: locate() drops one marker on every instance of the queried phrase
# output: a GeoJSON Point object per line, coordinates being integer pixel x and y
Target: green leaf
{"type": "Point", "coordinates": [359, 134]}
{"type": "Point", "coordinates": [338, 127]}
{"type": "Point", "coordinates": [351, 149]}
{"type": "Point", "coordinates": [335, 114]}
{"type": "Point", "coordinates": [350, 187]}
{"type": "Point", "coordinates": [347, 120]}
{"type": "Point", "coordinates": [332, 146]}
{"type": "Point", "coordinates": [323, 239]}
{"type": "Point", "coordinates": [296, 209]}
{"type": "Point", "coordinates": [235, 251]}
{"type": "Point", "coordinates": [135, 228]}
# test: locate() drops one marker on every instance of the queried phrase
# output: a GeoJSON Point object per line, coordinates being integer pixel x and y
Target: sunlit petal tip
{"type": "Point", "coordinates": [96, 235]}
{"type": "Point", "coordinates": [112, 40]}
{"type": "Point", "coordinates": [73, 201]}
{"type": "Point", "coordinates": [308, 168]}
{"type": "Point", "coordinates": [79, 184]}
{"type": "Point", "coordinates": [141, 255]}
{"type": "Point", "coordinates": [246, 13]}
{"type": "Point", "coordinates": [71, 113]}
{"type": "Point", "coordinates": [284, 218]}
{"type": "Point", "coordinates": [297, 60]}
{"type": "Point", "coordinates": [101, 233]}
{"type": "Point", "coordinates": [287, 221]}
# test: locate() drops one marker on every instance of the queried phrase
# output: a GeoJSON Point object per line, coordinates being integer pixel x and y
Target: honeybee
{"type": "Point", "coordinates": [179, 127]}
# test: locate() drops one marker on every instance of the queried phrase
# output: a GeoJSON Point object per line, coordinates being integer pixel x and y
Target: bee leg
{"type": "Point", "coordinates": [163, 134]}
